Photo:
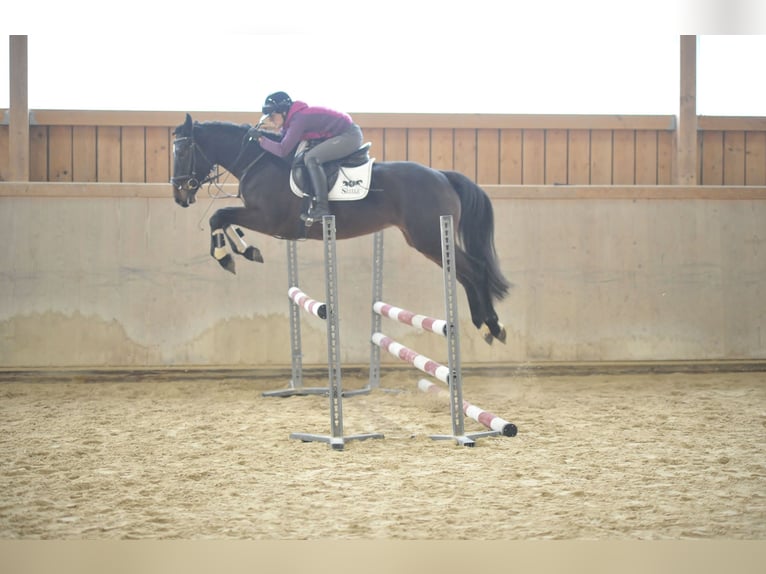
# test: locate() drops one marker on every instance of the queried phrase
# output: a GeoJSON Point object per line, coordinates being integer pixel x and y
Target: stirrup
{"type": "Point", "coordinates": [311, 217]}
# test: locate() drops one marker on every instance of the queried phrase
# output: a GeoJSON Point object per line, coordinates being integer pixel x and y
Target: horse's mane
{"type": "Point", "coordinates": [223, 124]}
{"type": "Point", "coordinates": [225, 127]}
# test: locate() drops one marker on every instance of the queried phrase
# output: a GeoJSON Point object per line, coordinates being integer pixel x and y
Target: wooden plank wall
{"type": "Point", "coordinates": [109, 154]}
{"type": "Point", "coordinates": [732, 153]}
{"type": "Point", "coordinates": [534, 156]}
{"type": "Point", "coordinates": [4, 152]}
{"type": "Point", "coordinates": [135, 147]}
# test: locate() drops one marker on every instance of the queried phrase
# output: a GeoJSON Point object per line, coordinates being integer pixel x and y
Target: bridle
{"type": "Point", "coordinates": [191, 182]}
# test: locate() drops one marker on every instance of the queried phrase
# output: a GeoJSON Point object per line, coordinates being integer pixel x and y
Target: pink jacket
{"type": "Point", "coordinates": [304, 122]}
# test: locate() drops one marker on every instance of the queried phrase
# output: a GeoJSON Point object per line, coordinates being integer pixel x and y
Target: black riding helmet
{"type": "Point", "coordinates": [278, 102]}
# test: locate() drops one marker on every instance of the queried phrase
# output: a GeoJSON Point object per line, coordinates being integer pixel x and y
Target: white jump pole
{"type": "Point", "coordinates": [421, 362]}
{"type": "Point", "coordinates": [422, 322]}
{"type": "Point", "coordinates": [489, 420]}
{"type": "Point", "coordinates": [316, 308]}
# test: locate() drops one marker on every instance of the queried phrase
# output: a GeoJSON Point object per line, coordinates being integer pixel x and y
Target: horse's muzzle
{"type": "Point", "coordinates": [185, 193]}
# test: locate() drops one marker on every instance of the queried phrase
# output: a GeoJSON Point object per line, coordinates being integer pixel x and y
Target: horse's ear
{"type": "Point", "coordinates": [188, 122]}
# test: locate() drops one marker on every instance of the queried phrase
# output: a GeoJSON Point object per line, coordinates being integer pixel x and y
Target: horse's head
{"type": "Point", "coordinates": [191, 167]}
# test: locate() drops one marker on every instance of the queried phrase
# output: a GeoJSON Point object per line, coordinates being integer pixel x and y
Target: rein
{"type": "Point", "coordinates": [242, 149]}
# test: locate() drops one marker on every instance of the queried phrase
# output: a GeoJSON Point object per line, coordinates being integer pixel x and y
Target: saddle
{"type": "Point", "coordinates": [355, 169]}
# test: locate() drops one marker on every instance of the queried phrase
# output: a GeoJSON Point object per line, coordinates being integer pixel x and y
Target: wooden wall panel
{"type": "Point", "coordinates": [624, 157]}
{"type": "Point", "coordinates": [734, 158]}
{"type": "Point", "coordinates": [755, 158]}
{"type": "Point", "coordinates": [108, 159]}
{"type": "Point", "coordinates": [442, 149]}
{"type": "Point", "coordinates": [665, 155]}
{"type": "Point", "coordinates": [375, 137]}
{"type": "Point", "coordinates": [4, 152]}
{"type": "Point", "coordinates": [601, 157]}
{"type": "Point", "coordinates": [395, 144]}
{"type": "Point", "coordinates": [646, 157]}
{"type": "Point", "coordinates": [533, 157]}
{"type": "Point", "coordinates": [487, 157]}
{"type": "Point", "coordinates": [84, 153]}
{"type": "Point", "coordinates": [38, 153]}
{"type": "Point", "coordinates": [712, 158]}
{"type": "Point", "coordinates": [60, 153]}
{"type": "Point", "coordinates": [158, 145]}
{"type": "Point", "coordinates": [510, 150]}
{"type": "Point", "coordinates": [556, 157]}
{"type": "Point", "coordinates": [133, 154]}
{"type": "Point", "coordinates": [419, 145]}
{"type": "Point", "coordinates": [510, 157]}
{"type": "Point", "coordinates": [578, 165]}
{"type": "Point", "coordinates": [465, 152]}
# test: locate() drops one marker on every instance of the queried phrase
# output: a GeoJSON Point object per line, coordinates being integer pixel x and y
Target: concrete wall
{"type": "Point", "coordinates": [127, 281]}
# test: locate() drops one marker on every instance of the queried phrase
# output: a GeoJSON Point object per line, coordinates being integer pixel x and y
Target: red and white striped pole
{"type": "Point", "coordinates": [314, 307]}
{"type": "Point", "coordinates": [489, 420]}
{"type": "Point", "coordinates": [414, 358]}
{"type": "Point", "coordinates": [438, 326]}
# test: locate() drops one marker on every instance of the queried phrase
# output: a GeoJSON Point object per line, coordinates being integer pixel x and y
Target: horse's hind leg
{"type": "Point", "coordinates": [471, 275]}
{"type": "Point", "coordinates": [476, 276]}
{"type": "Point", "coordinates": [496, 328]}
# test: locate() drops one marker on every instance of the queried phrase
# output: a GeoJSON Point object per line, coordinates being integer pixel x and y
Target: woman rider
{"type": "Point", "coordinates": [297, 122]}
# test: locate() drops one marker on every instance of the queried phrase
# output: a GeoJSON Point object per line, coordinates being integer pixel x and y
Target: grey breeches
{"type": "Point", "coordinates": [336, 147]}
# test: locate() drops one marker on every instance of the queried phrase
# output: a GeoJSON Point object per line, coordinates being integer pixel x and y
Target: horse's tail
{"type": "Point", "coordinates": [477, 230]}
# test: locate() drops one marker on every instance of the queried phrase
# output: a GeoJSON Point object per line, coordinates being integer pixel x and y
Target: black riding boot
{"type": "Point", "coordinates": [319, 183]}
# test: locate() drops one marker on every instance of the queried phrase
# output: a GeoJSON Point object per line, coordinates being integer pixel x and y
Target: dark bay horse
{"type": "Point", "coordinates": [402, 194]}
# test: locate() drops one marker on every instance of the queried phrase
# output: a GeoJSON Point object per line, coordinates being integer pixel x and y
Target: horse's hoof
{"type": "Point", "coordinates": [486, 334]}
{"type": "Point", "coordinates": [227, 262]}
{"type": "Point", "coordinates": [502, 335]}
{"type": "Point", "coordinates": [253, 254]}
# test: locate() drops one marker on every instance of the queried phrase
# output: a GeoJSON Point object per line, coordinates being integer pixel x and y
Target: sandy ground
{"type": "Point", "coordinates": [627, 457]}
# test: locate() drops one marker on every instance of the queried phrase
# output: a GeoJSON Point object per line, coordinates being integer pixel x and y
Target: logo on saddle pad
{"type": "Point", "coordinates": [347, 180]}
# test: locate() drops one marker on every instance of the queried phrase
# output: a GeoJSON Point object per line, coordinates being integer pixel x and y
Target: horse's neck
{"type": "Point", "coordinates": [268, 170]}
{"type": "Point", "coordinates": [228, 148]}
{"type": "Point", "coordinates": [232, 162]}
{"type": "Point", "coordinates": [225, 148]}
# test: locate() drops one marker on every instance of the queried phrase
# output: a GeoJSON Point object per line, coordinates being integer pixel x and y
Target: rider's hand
{"type": "Point", "coordinates": [254, 133]}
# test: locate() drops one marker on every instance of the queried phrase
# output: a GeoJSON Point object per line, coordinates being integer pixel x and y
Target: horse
{"type": "Point", "coordinates": [402, 194]}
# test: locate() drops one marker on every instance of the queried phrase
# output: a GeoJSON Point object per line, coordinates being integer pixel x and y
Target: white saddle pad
{"type": "Point", "coordinates": [353, 183]}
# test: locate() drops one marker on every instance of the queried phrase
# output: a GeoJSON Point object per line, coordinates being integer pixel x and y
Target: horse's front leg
{"type": "Point", "coordinates": [219, 252]}
{"type": "Point", "coordinates": [222, 228]}
{"type": "Point", "coordinates": [238, 244]}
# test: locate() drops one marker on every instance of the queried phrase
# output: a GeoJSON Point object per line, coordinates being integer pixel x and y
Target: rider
{"type": "Point", "coordinates": [297, 121]}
